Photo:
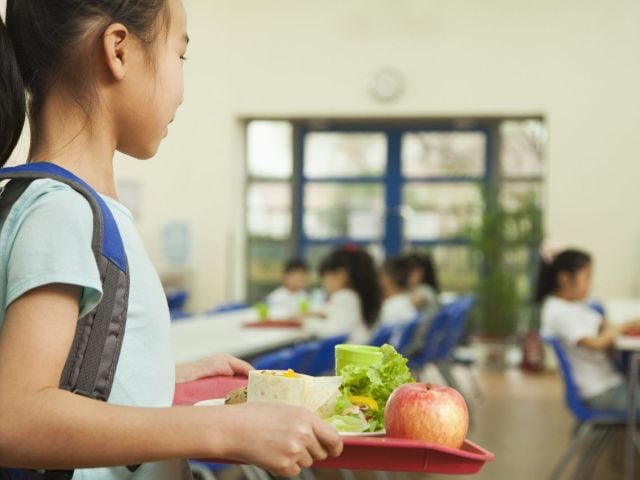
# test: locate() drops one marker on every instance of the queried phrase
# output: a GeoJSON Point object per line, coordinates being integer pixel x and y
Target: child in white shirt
{"type": "Point", "coordinates": [291, 298]}
{"type": "Point", "coordinates": [397, 307]}
{"type": "Point", "coordinates": [586, 335]}
{"type": "Point", "coordinates": [348, 276]}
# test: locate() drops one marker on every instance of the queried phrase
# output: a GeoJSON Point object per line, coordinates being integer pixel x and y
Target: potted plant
{"type": "Point", "coordinates": [503, 246]}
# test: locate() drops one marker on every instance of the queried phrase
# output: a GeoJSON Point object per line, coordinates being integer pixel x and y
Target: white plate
{"type": "Point", "coordinates": [380, 433]}
{"type": "Point", "coordinates": [213, 402]}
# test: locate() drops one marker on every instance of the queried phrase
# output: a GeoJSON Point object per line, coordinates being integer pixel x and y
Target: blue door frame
{"type": "Point", "coordinates": [393, 182]}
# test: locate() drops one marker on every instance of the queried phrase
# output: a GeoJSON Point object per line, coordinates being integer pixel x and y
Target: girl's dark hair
{"type": "Point", "coordinates": [46, 42]}
{"type": "Point", "coordinates": [295, 264]}
{"type": "Point", "coordinates": [424, 262]}
{"type": "Point", "coordinates": [570, 261]}
{"type": "Point", "coordinates": [398, 270]}
{"type": "Point", "coordinates": [363, 278]}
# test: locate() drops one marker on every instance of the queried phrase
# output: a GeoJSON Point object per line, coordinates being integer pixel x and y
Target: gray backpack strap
{"type": "Point", "coordinates": [93, 358]}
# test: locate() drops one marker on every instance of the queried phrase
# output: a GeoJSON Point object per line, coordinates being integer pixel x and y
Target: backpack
{"type": "Point", "coordinates": [90, 367]}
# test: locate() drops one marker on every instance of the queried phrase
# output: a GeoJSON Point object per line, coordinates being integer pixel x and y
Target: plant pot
{"type": "Point", "coordinates": [495, 352]}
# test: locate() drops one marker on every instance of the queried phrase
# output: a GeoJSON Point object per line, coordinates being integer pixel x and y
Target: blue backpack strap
{"type": "Point", "coordinates": [91, 364]}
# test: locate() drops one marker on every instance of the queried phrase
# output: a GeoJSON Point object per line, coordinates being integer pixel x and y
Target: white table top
{"type": "Point", "coordinates": [628, 343]}
{"type": "Point", "coordinates": [204, 335]}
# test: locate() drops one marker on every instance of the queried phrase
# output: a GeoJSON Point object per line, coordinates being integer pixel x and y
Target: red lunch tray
{"type": "Point", "coordinates": [361, 453]}
{"type": "Point", "coordinates": [274, 324]}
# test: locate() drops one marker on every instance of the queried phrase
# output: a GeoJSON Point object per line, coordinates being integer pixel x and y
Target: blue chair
{"type": "Point", "coordinates": [405, 335]}
{"type": "Point", "coordinates": [382, 335]}
{"type": "Point", "coordinates": [176, 299]}
{"type": "Point", "coordinates": [278, 360]}
{"type": "Point", "coordinates": [442, 337]}
{"type": "Point", "coordinates": [593, 423]}
{"type": "Point", "coordinates": [323, 361]}
{"type": "Point", "coordinates": [228, 307]}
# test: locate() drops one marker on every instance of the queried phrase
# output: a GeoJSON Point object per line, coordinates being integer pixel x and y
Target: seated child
{"type": "Point", "coordinates": [290, 298]}
{"type": "Point", "coordinates": [423, 282]}
{"type": "Point", "coordinates": [586, 335]}
{"type": "Point", "coordinates": [394, 279]}
{"type": "Point", "coordinates": [348, 276]}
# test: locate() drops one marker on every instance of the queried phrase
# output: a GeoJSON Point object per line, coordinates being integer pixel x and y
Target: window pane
{"type": "Point", "coordinates": [521, 195]}
{"type": "Point", "coordinates": [269, 149]}
{"type": "Point", "coordinates": [337, 154]}
{"type": "Point", "coordinates": [443, 154]}
{"type": "Point", "coordinates": [523, 145]}
{"type": "Point", "coordinates": [265, 262]}
{"type": "Point", "coordinates": [454, 268]}
{"type": "Point", "coordinates": [354, 211]}
{"type": "Point", "coordinates": [269, 209]}
{"type": "Point", "coordinates": [436, 211]}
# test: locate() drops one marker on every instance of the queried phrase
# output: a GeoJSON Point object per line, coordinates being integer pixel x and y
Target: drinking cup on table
{"type": "Point", "coordinates": [362, 355]}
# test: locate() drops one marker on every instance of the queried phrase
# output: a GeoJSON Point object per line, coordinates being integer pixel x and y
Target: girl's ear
{"type": "Point", "coordinates": [116, 44]}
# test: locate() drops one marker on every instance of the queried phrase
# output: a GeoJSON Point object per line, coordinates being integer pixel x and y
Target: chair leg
{"type": "Point", "coordinates": [583, 431]}
{"type": "Point", "coordinates": [347, 474]}
{"type": "Point", "coordinates": [592, 453]}
{"type": "Point", "coordinates": [252, 472]}
{"type": "Point", "coordinates": [202, 472]}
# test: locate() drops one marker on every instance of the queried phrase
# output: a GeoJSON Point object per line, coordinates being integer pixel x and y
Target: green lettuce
{"type": "Point", "coordinates": [348, 423]}
{"type": "Point", "coordinates": [376, 381]}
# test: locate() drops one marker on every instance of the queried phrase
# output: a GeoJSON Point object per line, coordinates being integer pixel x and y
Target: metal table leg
{"type": "Point", "coordinates": [630, 451]}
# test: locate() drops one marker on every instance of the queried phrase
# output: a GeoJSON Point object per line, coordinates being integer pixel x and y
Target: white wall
{"type": "Point", "coordinates": [576, 62]}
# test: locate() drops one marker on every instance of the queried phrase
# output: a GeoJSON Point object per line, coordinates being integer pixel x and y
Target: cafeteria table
{"type": "Point", "coordinates": [203, 335]}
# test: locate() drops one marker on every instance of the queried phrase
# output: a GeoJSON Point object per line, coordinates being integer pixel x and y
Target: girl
{"type": "Point", "coordinates": [103, 76]}
{"type": "Point", "coordinates": [397, 307]}
{"type": "Point", "coordinates": [348, 276]}
{"type": "Point", "coordinates": [563, 287]}
{"type": "Point", "coordinates": [423, 282]}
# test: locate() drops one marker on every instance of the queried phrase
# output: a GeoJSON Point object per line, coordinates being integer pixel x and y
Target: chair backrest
{"type": "Point", "coordinates": [323, 362]}
{"type": "Point", "coordinates": [278, 360]}
{"type": "Point", "coordinates": [444, 332]}
{"type": "Point", "coordinates": [406, 334]}
{"type": "Point", "coordinates": [454, 327]}
{"type": "Point", "coordinates": [382, 335]}
{"type": "Point", "coordinates": [228, 307]}
{"type": "Point", "coordinates": [577, 406]}
{"type": "Point", "coordinates": [303, 355]}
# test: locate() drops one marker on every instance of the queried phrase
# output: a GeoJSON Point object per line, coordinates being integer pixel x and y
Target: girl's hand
{"type": "Point", "coordinates": [278, 438]}
{"type": "Point", "coordinates": [216, 365]}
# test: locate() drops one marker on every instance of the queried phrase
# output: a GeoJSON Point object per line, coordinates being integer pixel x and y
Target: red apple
{"type": "Point", "coordinates": [427, 412]}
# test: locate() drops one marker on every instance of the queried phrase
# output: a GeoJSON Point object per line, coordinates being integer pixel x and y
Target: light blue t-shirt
{"type": "Point", "coordinates": [46, 239]}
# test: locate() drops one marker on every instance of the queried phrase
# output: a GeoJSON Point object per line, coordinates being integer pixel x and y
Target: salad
{"type": "Point", "coordinates": [365, 390]}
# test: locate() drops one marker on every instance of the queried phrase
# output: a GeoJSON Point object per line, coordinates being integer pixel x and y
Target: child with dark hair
{"type": "Point", "coordinates": [394, 280]}
{"type": "Point", "coordinates": [289, 299]}
{"type": "Point", "coordinates": [423, 282]}
{"type": "Point", "coordinates": [563, 287]}
{"type": "Point", "coordinates": [348, 276]}
{"type": "Point", "coordinates": [94, 77]}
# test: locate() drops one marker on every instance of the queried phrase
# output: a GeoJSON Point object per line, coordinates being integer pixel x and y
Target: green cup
{"type": "Point", "coordinates": [263, 311]}
{"type": "Point", "coordinates": [363, 355]}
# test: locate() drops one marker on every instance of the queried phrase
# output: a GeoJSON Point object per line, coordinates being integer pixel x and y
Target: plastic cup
{"type": "Point", "coordinates": [263, 311]}
{"type": "Point", "coordinates": [362, 355]}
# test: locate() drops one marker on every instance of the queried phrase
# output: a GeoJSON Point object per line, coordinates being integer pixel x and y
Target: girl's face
{"type": "Point", "coordinates": [415, 277]}
{"type": "Point", "coordinates": [334, 281]}
{"type": "Point", "coordinates": [154, 89]}
{"type": "Point", "coordinates": [577, 286]}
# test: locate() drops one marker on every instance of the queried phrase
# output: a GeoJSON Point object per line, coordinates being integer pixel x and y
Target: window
{"type": "Point", "coordinates": [388, 186]}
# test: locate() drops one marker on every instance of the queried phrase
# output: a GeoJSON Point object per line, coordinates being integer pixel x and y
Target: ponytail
{"type": "Point", "coordinates": [569, 261]}
{"type": "Point", "coordinates": [363, 278]}
{"type": "Point", "coordinates": [13, 105]}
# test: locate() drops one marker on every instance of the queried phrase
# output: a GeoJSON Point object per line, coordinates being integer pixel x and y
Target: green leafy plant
{"type": "Point", "coordinates": [503, 247]}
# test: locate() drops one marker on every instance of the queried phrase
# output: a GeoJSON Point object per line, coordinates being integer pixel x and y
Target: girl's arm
{"type": "Point", "coordinates": [224, 365]}
{"type": "Point", "coordinates": [43, 426]}
{"type": "Point", "coordinates": [608, 334]}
